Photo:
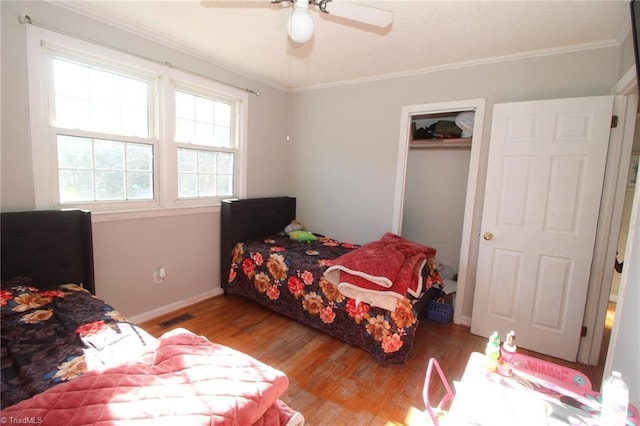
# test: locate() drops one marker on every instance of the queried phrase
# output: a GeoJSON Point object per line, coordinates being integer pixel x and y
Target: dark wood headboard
{"type": "Point", "coordinates": [51, 247]}
{"type": "Point", "coordinates": [245, 219]}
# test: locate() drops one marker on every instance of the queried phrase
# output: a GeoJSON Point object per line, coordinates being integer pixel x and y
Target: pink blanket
{"type": "Point", "coordinates": [381, 272]}
{"type": "Point", "coordinates": [189, 381]}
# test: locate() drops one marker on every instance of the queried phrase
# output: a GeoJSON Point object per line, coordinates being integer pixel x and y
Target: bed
{"type": "Point", "coordinates": [70, 358]}
{"type": "Point", "coordinates": [259, 261]}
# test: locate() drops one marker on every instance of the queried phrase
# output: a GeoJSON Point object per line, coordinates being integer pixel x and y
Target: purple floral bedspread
{"type": "Point", "coordinates": [287, 277]}
{"type": "Point", "coordinates": [52, 336]}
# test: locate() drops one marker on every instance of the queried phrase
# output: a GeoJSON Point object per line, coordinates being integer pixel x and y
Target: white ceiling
{"type": "Point", "coordinates": [250, 37]}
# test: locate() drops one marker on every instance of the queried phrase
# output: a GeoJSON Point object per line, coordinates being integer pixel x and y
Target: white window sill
{"type": "Point", "coordinates": [113, 216]}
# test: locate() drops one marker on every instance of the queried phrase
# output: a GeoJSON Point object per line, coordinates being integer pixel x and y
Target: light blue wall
{"type": "Point", "coordinates": [345, 139]}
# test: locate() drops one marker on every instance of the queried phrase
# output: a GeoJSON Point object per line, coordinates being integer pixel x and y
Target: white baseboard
{"type": "Point", "coordinates": [465, 321]}
{"type": "Point", "coordinates": [173, 306]}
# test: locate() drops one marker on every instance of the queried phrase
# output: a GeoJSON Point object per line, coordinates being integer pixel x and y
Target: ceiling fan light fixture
{"type": "Point", "coordinates": [300, 23]}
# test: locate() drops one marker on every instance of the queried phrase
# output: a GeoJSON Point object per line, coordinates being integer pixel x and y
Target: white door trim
{"type": "Point", "coordinates": [613, 193]}
{"type": "Point", "coordinates": [472, 214]}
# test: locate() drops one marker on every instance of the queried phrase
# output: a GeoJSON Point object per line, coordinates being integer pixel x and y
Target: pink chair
{"type": "Point", "coordinates": [435, 412]}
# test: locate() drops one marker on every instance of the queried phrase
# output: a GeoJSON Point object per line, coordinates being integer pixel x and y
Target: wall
{"type": "Point", "coordinates": [435, 189]}
{"type": "Point", "coordinates": [127, 251]}
{"type": "Point", "coordinates": [627, 56]}
{"type": "Point", "coordinates": [345, 139]}
{"type": "Point", "coordinates": [625, 336]}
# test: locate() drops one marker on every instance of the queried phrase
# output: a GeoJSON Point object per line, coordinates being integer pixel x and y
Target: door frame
{"type": "Point", "coordinates": [473, 198]}
{"type": "Point", "coordinates": [611, 209]}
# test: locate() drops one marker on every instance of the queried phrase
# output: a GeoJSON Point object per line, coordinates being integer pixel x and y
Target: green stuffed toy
{"type": "Point", "coordinates": [304, 236]}
{"type": "Point", "coordinates": [296, 232]}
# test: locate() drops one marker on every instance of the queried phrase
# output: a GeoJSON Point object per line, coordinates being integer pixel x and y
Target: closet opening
{"type": "Point", "coordinates": [437, 188]}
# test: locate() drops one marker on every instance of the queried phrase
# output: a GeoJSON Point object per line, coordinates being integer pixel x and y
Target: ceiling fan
{"type": "Point", "coordinates": [300, 23]}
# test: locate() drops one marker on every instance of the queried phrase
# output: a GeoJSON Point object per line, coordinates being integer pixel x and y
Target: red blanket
{"type": "Point", "coordinates": [381, 272]}
{"type": "Point", "coordinates": [189, 381]}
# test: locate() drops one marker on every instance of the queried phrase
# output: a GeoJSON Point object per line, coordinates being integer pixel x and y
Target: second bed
{"type": "Point", "coordinates": [261, 262]}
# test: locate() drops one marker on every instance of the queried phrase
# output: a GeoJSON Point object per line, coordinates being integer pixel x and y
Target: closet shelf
{"type": "Point", "coordinates": [454, 143]}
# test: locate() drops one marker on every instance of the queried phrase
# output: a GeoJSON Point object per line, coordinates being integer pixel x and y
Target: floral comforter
{"type": "Point", "coordinates": [287, 276]}
{"type": "Point", "coordinates": [53, 336]}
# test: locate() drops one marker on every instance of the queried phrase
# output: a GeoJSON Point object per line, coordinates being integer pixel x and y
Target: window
{"type": "Point", "coordinates": [205, 139]}
{"type": "Point", "coordinates": [88, 101]}
{"type": "Point", "coordinates": [103, 170]}
{"type": "Point", "coordinates": [112, 131]}
{"type": "Point", "coordinates": [99, 100]}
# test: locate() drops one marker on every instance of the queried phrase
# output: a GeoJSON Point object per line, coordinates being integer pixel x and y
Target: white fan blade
{"type": "Point", "coordinates": [365, 14]}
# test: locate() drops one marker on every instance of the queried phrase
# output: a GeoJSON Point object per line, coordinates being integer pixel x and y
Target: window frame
{"type": "Point", "coordinates": [43, 45]}
{"type": "Point", "coordinates": [236, 119]}
{"type": "Point", "coordinates": [49, 54]}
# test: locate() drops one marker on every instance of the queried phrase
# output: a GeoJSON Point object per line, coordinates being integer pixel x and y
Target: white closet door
{"type": "Point", "coordinates": [542, 198]}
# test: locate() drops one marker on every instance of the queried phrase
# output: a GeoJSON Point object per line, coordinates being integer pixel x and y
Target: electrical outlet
{"type": "Point", "coordinates": [159, 275]}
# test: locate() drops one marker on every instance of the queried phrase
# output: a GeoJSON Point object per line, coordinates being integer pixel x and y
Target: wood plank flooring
{"type": "Point", "coordinates": [332, 382]}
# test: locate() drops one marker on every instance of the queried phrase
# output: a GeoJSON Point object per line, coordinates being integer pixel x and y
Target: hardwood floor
{"type": "Point", "coordinates": [332, 382]}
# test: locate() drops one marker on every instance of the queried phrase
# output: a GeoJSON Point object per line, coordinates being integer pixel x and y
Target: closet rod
{"type": "Point", "coordinates": [26, 19]}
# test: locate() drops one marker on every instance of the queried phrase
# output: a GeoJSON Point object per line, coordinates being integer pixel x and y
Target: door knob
{"type": "Point", "coordinates": [487, 236]}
